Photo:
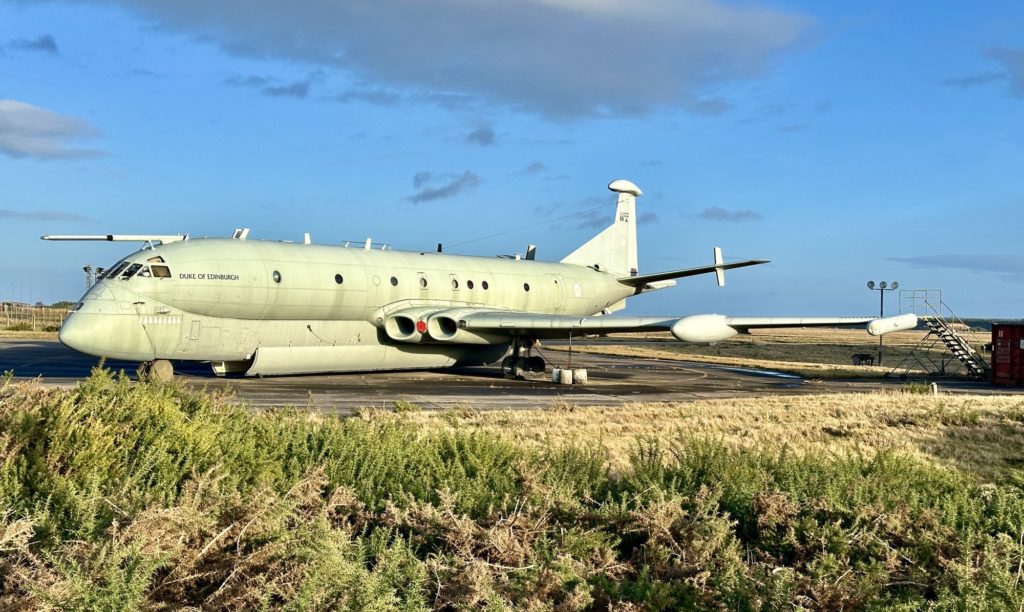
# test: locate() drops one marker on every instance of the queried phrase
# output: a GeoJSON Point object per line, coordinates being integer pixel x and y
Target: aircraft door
{"type": "Point", "coordinates": [557, 293]}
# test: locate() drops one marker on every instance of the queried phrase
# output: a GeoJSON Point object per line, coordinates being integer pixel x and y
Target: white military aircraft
{"type": "Point", "coordinates": [259, 307]}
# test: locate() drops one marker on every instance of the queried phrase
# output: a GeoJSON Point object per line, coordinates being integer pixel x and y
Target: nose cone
{"type": "Point", "coordinates": [84, 334]}
{"type": "Point", "coordinates": [76, 334]}
{"type": "Point", "coordinates": [106, 335]}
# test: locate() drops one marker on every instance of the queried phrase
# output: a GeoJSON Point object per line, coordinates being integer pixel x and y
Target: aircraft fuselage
{"type": "Point", "coordinates": [279, 308]}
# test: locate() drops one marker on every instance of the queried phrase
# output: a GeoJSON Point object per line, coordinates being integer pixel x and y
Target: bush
{"type": "Point", "coordinates": [127, 495]}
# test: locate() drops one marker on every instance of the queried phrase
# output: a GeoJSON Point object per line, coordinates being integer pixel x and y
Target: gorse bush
{"type": "Point", "coordinates": [117, 495]}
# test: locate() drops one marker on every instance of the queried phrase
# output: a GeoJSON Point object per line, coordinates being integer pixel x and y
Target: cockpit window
{"type": "Point", "coordinates": [144, 272]}
{"type": "Point", "coordinates": [116, 270]}
{"type": "Point", "coordinates": [156, 259]}
{"type": "Point", "coordinates": [130, 272]}
{"type": "Point", "coordinates": [161, 271]}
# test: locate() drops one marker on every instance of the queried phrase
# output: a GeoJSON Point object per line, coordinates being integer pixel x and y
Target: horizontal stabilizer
{"type": "Point", "coordinates": [643, 279]}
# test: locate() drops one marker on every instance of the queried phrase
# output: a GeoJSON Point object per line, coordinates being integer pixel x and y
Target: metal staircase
{"type": "Point", "coordinates": [946, 329]}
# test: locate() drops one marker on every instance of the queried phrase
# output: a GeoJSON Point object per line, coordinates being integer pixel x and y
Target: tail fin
{"type": "Point", "coordinates": [614, 249]}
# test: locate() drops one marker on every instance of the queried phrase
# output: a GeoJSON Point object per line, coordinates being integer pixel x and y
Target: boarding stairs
{"type": "Point", "coordinates": [945, 329]}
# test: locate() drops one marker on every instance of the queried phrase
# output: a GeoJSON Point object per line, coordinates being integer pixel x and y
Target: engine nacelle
{"type": "Point", "coordinates": [702, 328]}
{"type": "Point", "coordinates": [444, 327]}
{"type": "Point", "coordinates": [409, 325]}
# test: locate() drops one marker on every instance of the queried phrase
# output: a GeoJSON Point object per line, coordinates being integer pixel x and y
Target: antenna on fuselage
{"type": "Point", "coordinates": [531, 252]}
{"type": "Point", "coordinates": [440, 248]}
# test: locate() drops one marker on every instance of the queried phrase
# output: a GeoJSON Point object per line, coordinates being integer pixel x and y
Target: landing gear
{"type": "Point", "coordinates": [160, 370]}
{"type": "Point", "coordinates": [517, 365]}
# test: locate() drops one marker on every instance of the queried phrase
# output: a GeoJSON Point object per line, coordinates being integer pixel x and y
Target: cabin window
{"type": "Point", "coordinates": [526, 286]}
{"type": "Point", "coordinates": [130, 272]}
{"type": "Point", "coordinates": [455, 284]}
{"type": "Point", "coordinates": [484, 285]}
{"type": "Point", "coordinates": [394, 281]}
{"type": "Point", "coordinates": [423, 282]}
{"type": "Point", "coordinates": [276, 276]}
{"type": "Point", "coordinates": [339, 279]}
{"type": "Point", "coordinates": [161, 271]}
{"type": "Point", "coordinates": [469, 284]}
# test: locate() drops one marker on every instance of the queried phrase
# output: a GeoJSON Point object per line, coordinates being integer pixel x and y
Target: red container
{"type": "Point", "coordinates": [1008, 354]}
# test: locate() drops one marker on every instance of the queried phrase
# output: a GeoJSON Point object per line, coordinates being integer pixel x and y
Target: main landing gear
{"type": "Point", "coordinates": [516, 365]}
{"type": "Point", "coordinates": [160, 370]}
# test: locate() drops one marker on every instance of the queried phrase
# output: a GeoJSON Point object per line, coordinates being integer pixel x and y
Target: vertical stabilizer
{"type": "Point", "coordinates": [614, 249]}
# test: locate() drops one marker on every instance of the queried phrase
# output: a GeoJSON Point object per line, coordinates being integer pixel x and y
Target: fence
{"type": "Point", "coordinates": [23, 317]}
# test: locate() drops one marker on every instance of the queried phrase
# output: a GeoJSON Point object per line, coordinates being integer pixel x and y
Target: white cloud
{"type": "Point", "coordinates": [30, 131]}
{"type": "Point", "coordinates": [560, 58]}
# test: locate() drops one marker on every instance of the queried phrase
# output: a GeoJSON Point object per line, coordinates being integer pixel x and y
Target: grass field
{"type": "Point", "coordinates": [117, 495]}
{"type": "Point", "coordinates": [812, 352]}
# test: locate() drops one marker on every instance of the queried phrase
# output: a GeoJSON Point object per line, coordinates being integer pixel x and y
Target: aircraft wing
{"type": "Point", "coordinates": [476, 325]}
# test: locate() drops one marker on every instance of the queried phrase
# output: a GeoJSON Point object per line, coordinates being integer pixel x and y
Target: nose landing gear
{"type": "Point", "coordinates": [160, 370]}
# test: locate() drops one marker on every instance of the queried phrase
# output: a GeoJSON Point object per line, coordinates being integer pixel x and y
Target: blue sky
{"type": "Point", "coordinates": [843, 141]}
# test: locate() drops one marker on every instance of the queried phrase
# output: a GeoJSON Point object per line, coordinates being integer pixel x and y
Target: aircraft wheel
{"type": "Point", "coordinates": [535, 364]}
{"type": "Point", "coordinates": [161, 371]}
{"type": "Point", "coordinates": [143, 370]}
{"type": "Point", "coordinates": [521, 365]}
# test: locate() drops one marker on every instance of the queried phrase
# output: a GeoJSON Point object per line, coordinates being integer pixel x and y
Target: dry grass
{"type": "Point", "coordinates": [982, 434]}
{"type": "Point", "coordinates": [29, 335]}
{"type": "Point", "coordinates": [811, 353]}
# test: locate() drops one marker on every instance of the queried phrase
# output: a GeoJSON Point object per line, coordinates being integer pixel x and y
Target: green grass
{"type": "Point", "coordinates": [117, 495]}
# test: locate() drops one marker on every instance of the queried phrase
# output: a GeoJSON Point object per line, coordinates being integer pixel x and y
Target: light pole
{"type": "Point", "coordinates": [881, 288]}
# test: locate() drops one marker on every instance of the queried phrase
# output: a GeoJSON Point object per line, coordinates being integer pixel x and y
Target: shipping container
{"type": "Point", "coordinates": [1008, 354]}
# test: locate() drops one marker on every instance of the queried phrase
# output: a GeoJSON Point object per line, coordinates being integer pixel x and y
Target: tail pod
{"type": "Point", "coordinates": [614, 249]}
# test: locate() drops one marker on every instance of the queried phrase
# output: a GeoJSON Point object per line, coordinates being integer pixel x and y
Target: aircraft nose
{"type": "Point", "coordinates": [106, 335]}
{"type": "Point", "coordinates": [74, 334]}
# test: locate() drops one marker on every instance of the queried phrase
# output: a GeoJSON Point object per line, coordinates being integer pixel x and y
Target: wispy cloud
{"type": "Point", "coordinates": [971, 80]}
{"type": "Point", "coordinates": [593, 219]}
{"type": "Point", "coordinates": [716, 213]}
{"type": "Point", "coordinates": [552, 57]}
{"type": "Point", "coordinates": [483, 136]}
{"type": "Point", "coordinates": [1012, 61]}
{"type": "Point", "coordinates": [711, 107]}
{"type": "Point", "coordinates": [370, 95]}
{"type": "Point", "coordinates": [441, 186]}
{"type": "Point", "coordinates": [30, 131]}
{"type": "Point", "coordinates": [40, 44]}
{"type": "Point", "coordinates": [1011, 72]}
{"type": "Point", "coordinates": [42, 215]}
{"type": "Point", "coordinates": [1007, 267]}
{"type": "Point", "coordinates": [532, 169]}
{"type": "Point", "coordinates": [274, 88]}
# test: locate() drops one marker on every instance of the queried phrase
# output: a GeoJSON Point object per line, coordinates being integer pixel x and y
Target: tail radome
{"type": "Point", "coordinates": [614, 249]}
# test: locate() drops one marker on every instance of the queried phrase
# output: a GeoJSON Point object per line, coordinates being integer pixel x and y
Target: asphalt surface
{"type": "Point", "coordinates": [612, 381]}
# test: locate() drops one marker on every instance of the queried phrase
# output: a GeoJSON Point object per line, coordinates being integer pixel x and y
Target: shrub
{"type": "Point", "coordinates": [125, 495]}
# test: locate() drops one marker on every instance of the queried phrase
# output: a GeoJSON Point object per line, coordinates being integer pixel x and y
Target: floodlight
{"type": "Point", "coordinates": [895, 284]}
{"type": "Point", "coordinates": [871, 284]}
{"type": "Point", "coordinates": [882, 285]}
